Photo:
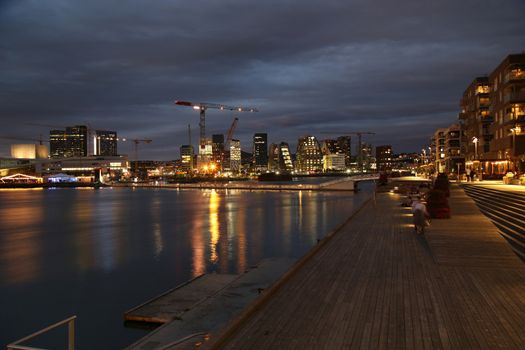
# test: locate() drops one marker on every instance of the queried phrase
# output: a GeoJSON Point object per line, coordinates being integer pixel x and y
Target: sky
{"type": "Point", "coordinates": [395, 68]}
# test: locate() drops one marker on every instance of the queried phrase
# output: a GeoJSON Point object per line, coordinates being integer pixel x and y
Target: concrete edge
{"type": "Point", "coordinates": [253, 307]}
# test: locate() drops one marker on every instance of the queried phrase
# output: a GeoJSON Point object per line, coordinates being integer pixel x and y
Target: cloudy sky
{"type": "Point", "coordinates": [397, 68]}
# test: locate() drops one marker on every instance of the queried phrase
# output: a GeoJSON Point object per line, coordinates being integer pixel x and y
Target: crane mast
{"type": "Point", "coordinates": [202, 107]}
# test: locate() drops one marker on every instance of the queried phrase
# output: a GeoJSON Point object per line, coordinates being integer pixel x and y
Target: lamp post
{"type": "Point", "coordinates": [475, 141]}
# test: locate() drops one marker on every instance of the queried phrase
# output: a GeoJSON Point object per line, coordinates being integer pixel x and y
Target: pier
{"type": "Point", "coordinates": [375, 284]}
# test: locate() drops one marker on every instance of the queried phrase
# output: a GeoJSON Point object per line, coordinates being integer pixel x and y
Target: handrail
{"type": "Point", "coordinates": [71, 335]}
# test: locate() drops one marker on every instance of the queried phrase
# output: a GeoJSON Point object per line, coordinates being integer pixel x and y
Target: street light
{"type": "Point", "coordinates": [475, 141]}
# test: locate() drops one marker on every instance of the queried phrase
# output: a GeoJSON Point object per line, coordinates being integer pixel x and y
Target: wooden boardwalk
{"type": "Point", "coordinates": [376, 285]}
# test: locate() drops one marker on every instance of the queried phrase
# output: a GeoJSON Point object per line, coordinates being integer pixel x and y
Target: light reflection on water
{"type": "Point", "coordinates": [98, 253]}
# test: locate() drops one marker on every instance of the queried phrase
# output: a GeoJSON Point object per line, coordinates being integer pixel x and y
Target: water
{"type": "Point", "coordinates": [97, 253]}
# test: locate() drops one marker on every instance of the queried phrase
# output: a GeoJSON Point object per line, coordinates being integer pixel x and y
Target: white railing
{"type": "Point", "coordinates": [70, 338]}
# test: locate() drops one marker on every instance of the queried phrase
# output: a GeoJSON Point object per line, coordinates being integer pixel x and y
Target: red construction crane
{"type": "Point", "coordinates": [359, 144]}
{"type": "Point", "coordinates": [203, 106]}
{"type": "Point", "coordinates": [231, 130]}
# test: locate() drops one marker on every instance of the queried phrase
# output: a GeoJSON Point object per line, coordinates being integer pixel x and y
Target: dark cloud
{"type": "Point", "coordinates": [397, 68]}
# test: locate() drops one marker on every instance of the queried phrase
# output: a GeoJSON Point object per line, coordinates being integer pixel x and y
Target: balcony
{"type": "Point", "coordinates": [514, 97]}
{"type": "Point", "coordinates": [515, 74]}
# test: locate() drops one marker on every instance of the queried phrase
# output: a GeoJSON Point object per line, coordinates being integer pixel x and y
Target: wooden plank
{"type": "Point", "coordinates": [173, 303]}
{"type": "Point", "coordinates": [378, 285]}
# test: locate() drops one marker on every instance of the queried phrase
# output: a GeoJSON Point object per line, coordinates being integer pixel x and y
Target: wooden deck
{"type": "Point", "coordinates": [376, 285]}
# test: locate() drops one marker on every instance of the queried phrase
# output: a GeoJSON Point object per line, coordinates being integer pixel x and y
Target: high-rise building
{"type": "Point", "coordinates": [73, 142]}
{"type": "Point", "coordinates": [345, 145]}
{"type": "Point", "coordinates": [235, 156]}
{"type": "Point", "coordinates": [57, 143]}
{"type": "Point", "coordinates": [217, 149]}
{"type": "Point", "coordinates": [260, 151]}
{"type": "Point", "coordinates": [273, 157]}
{"type": "Point", "coordinates": [205, 154]}
{"type": "Point", "coordinates": [309, 156]}
{"type": "Point", "coordinates": [367, 157]}
{"type": "Point", "coordinates": [285, 158]}
{"type": "Point", "coordinates": [186, 156]}
{"type": "Point", "coordinates": [105, 143]}
{"type": "Point", "coordinates": [384, 158]}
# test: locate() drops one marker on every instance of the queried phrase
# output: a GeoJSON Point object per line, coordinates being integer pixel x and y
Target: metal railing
{"type": "Point", "coordinates": [70, 338]}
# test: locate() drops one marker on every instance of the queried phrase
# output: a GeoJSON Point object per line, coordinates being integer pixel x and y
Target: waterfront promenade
{"type": "Point", "coordinates": [377, 285]}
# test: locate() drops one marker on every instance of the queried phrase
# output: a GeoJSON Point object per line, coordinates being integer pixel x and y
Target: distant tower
{"type": "Point", "coordinates": [285, 157]}
{"type": "Point", "coordinates": [384, 158]}
{"type": "Point", "coordinates": [260, 151]}
{"type": "Point", "coordinates": [309, 156]}
{"type": "Point", "coordinates": [218, 150]}
{"type": "Point", "coordinates": [105, 143]}
{"type": "Point", "coordinates": [186, 156]}
{"type": "Point", "coordinates": [235, 156]}
{"type": "Point", "coordinates": [57, 143]}
{"type": "Point", "coordinates": [345, 145]}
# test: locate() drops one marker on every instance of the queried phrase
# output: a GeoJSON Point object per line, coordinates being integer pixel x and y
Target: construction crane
{"type": "Point", "coordinates": [231, 130]}
{"type": "Point", "coordinates": [203, 106]}
{"type": "Point", "coordinates": [359, 144]}
{"type": "Point", "coordinates": [136, 146]}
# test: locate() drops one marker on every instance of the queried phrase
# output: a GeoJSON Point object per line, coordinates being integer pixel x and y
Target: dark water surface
{"type": "Point", "coordinates": [97, 253]}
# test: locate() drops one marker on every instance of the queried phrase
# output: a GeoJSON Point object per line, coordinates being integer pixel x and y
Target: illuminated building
{"type": "Point", "coordinates": [438, 144]}
{"type": "Point", "coordinates": [71, 142]}
{"type": "Point", "coordinates": [309, 156]}
{"type": "Point", "coordinates": [186, 156]}
{"type": "Point", "coordinates": [285, 158]}
{"type": "Point", "coordinates": [105, 143]}
{"type": "Point", "coordinates": [273, 157]}
{"type": "Point", "coordinates": [507, 106]}
{"type": "Point", "coordinates": [260, 151]}
{"type": "Point", "coordinates": [384, 158]}
{"type": "Point", "coordinates": [205, 154]}
{"type": "Point", "coordinates": [235, 156]}
{"type": "Point", "coordinates": [89, 168]}
{"type": "Point", "coordinates": [218, 150]}
{"type": "Point", "coordinates": [29, 151]}
{"type": "Point", "coordinates": [345, 145]}
{"type": "Point", "coordinates": [334, 162]}
{"type": "Point", "coordinates": [367, 158]}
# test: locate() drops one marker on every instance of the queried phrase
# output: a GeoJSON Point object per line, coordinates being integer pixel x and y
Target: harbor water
{"type": "Point", "coordinates": [95, 253]}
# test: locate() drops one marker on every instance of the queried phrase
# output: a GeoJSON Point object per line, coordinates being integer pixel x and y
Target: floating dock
{"type": "Point", "coordinates": [191, 311]}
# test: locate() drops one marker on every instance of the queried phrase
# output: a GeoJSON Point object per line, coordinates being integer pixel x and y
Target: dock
{"type": "Point", "coordinates": [193, 310]}
{"type": "Point", "coordinates": [375, 284]}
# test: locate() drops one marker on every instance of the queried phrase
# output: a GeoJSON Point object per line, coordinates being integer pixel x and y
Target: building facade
{"type": "Point", "coordinates": [384, 158]}
{"type": "Point", "coordinates": [186, 157]}
{"type": "Point", "coordinates": [235, 156]}
{"type": "Point", "coordinates": [218, 151]}
{"type": "Point", "coordinates": [309, 156]}
{"type": "Point", "coordinates": [508, 109]}
{"type": "Point", "coordinates": [260, 152]}
{"type": "Point", "coordinates": [105, 143]}
{"type": "Point", "coordinates": [71, 142]}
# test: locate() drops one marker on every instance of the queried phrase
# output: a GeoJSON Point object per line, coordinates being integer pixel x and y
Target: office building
{"type": "Point", "coordinates": [260, 152]}
{"type": "Point", "coordinates": [309, 156]}
{"type": "Point", "coordinates": [384, 158]}
{"type": "Point", "coordinates": [235, 156]}
{"type": "Point", "coordinates": [345, 145]}
{"type": "Point", "coordinates": [186, 156]}
{"type": "Point", "coordinates": [285, 158]}
{"type": "Point", "coordinates": [217, 149]}
{"type": "Point", "coordinates": [71, 142]}
{"type": "Point", "coordinates": [105, 143]}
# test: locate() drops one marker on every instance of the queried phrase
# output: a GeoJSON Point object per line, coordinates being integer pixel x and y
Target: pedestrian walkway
{"type": "Point", "coordinates": [377, 285]}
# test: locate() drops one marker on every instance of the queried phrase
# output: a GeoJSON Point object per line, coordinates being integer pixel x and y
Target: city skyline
{"type": "Point", "coordinates": [377, 67]}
